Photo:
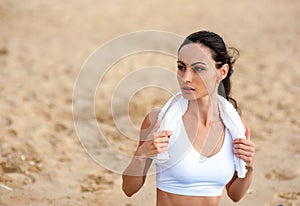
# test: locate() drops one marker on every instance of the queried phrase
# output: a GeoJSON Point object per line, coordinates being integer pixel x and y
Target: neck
{"type": "Point", "coordinates": [205, 109]}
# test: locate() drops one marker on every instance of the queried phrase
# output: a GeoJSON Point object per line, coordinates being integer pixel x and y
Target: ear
{"type": "Point", "coordinates": [223, 71]}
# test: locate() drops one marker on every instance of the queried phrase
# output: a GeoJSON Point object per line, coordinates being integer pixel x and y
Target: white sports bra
{"type": "Point", "coordinates": [183, 174]}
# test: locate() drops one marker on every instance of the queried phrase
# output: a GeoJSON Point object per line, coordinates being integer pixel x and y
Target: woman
{"type": "Point", "coordinates": [204, 65]}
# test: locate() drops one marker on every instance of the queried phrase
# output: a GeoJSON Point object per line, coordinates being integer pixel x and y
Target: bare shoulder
{"type": "Point", "coordinates": [148, 124]}
{"type": "Point", "coordinates": [150, 119]}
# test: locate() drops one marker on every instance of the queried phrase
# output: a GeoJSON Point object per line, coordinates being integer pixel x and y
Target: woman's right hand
{"type": "Point", "coordinates": [155, 143]}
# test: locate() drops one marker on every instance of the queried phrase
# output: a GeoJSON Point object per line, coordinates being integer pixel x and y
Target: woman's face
{"type": "Point", "coordinates": [197, 74]}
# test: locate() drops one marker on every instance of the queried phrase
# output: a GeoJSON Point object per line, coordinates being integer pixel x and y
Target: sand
{"type": "Point", "coordinates": [43, 46]}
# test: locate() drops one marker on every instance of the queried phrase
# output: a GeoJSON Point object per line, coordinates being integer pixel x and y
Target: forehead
{"type": "Point", "coordinates": [195, 52]}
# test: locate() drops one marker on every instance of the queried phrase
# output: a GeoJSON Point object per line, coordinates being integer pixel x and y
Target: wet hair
{"type": "Point", "coordinates": [220, 54]}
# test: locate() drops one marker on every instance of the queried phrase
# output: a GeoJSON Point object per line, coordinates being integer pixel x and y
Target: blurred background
{"type": "Point", "coordinates": [43, 45]}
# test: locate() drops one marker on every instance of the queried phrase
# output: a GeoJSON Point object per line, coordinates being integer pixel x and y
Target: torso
{"type": "Point", "coordinates": [179, 171]}
{"type": "Point", "coordinates": [199, 137]}
{"type": "Point", "coordinates": [169, 199]}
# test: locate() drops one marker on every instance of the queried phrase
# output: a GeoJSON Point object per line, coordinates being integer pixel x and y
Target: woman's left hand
{"type": "Point", "coordinates": [245, 149]}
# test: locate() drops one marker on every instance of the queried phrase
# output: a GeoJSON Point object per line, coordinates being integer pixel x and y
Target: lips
{"type": "Point", "coordinates": [186, 88]}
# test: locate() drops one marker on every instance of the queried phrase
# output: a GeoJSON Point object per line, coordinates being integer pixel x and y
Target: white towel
{"type": "Point", "coordinates": [172, 112]}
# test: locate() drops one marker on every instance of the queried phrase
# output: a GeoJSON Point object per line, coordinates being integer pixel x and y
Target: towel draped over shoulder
{"type": "Point", "coordinates": [172, 112]}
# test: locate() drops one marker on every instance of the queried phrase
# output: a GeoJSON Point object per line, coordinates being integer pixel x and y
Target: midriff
{"type": "Point", "coordinates": [169, 199]}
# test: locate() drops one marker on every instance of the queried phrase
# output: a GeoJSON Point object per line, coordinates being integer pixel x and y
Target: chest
{"type": "Point", "coordinates": [188, 167]}
{"type": "Point", "coordinates": [206, 140]}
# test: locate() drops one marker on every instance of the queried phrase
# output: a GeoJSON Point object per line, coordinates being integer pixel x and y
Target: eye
{"type": "Point", "coordinates": [180, 67]}
{"type": "Point", "coordinates": [198, 69]}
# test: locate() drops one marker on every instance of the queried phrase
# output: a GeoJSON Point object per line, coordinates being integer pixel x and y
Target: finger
{"type": "Point", "coordinates": [247, 159]}
{"type": "Point", "coordinates": [158, 141]}
{"type": "Point", "coordinates": [246, 147]}
{"type": "Point", "coordinates": [161, 140]}
{"type": "Point", "coordinates": [247, 153]}
{"type": "Point", "coordinates": [157, 146]}
{"type": "Point", "coordinates": [243, 141]}
{"type": "Point", "coordinates": [240, 141]}
{"type": "Point", "coordinates": [162, 134]}
{"type": "Point", "coordinates": [160, 147]}
{"type": "Point", "coordinates": [247, 133]}
{"type": "Point", "coordinates": [165, 133]}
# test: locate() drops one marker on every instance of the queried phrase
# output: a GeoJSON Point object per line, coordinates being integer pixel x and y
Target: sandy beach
{"type": "Point", "coordinates": [46, 159]}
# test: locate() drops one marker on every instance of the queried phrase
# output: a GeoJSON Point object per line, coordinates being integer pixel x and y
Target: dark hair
{"type": "Point", "coordinates": [220, 53]}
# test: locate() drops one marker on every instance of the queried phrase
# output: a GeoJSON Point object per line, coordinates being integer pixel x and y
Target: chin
{"type": "Point", "coordinates": [193, 96]}
{"type": "Point", "coordinates": [189, 96]}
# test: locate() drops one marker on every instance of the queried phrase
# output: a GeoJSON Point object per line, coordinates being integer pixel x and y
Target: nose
{"type": "Point", "coordinates": [187, 76]}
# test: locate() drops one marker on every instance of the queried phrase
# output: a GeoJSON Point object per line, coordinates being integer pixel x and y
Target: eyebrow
{"type": "Point", "coordinates": [193, 63]}
{"type": "Point", "coordinates": [198, 63]}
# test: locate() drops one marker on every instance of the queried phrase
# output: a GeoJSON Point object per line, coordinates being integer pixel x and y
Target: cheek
{"type": "Point", "coordinates": [179, 77]}
{"type": "Point", "coordinates": [201, 83]}
{"type": "Point", "coordinates": [207, 82]}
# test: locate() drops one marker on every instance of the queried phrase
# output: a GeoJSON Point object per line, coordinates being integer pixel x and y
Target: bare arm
{"type": "Point", "coordinates": [151, 143]}
{"type": "Point", "coordinates": [244, 149]}
{"type": "Point", "coordinates": [237, 187]}
{"type": "Point", "coordinates": [132, 181]}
